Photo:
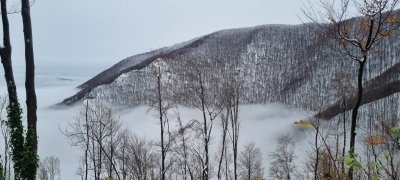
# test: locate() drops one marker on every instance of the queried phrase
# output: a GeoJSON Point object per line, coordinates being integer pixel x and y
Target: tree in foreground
{"type": "Point", "coordinates": [97, 126]}
{"type": "Point", "coordinates": [356, 39]}
{"type": "Point", "coordinates": [14, 109]}
{"type": "Point", "coordinates": [24, 148]}
{"type": "Point", "coordinates": [160, 102]}
{"type": "Point", "coordinates": [49, 168]}
{"type": "Point", "coordinates": [250, 163]}
{"type": "Point", "coordinates": [282, 165]}
{"type": "Point", "coordinates": [199, 92]}
{"type": "Point", "coordinates": [31, 143]}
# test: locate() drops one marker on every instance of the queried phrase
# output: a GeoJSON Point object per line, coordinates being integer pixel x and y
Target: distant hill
{"type": "Point", "coordinates": [279, 63]}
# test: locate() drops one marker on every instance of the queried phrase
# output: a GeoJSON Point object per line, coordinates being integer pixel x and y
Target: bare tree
{"type": "Point", "coordinates": [231, 104]}
{"type": "Point", "coordinates": [81, 171]}
{"type": "Point", "coordinates": [230, 124]}
{"type": "Point", "coordinates": [79, 135]}
{"type": "Point", "coordinates": [51, 167]}
{"type": "Point", "coordinates": [357, 39]}
{"type": "Point", "coordinates": [282, 165]}
{"type": "Point", "coordinates": [183, 149]}
{"type": "Point", "coordinates": [86, 127]}
{"type": "Point", "coordinates": [250, 163]}
{"type": "Point", "coordinates": [140, 161]}
{"type": "Point", "coordinates": [122, 155]}
{"type": "Point", "coordinates": [343, 90]}
{"type": "Point", "coordinates": [197, 90]}
{"type": "Point", "coordinates": [43, 174]}
{"type": "Point", "coordinates": [104, 126]}
{"type": "Point", "coordinates": [161, 103]}
{"type": "Point", "coordinates": [110, 147]}
{"type": "Point", "coordinates": [98, 126]}
{"type": "Point", "coordinates": [224, 144]}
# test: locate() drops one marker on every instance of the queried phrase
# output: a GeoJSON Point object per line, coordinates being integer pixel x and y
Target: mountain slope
{"type": "Point", "coordinates": [278, 63]}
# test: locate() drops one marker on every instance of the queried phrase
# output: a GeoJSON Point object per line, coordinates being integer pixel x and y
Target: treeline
{"type": "Point", "coordinates": [184, 150]}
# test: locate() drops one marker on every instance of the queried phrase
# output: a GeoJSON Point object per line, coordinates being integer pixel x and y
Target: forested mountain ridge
{"type": "Point", "coordinates": [278, 63]}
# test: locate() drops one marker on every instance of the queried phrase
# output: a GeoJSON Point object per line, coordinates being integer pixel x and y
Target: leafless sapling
{"type": "Point", "coordinates": [250, 162]}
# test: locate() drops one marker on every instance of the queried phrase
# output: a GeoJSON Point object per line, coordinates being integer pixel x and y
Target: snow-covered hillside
{"type": "Point", "coordinates": [278, 63]}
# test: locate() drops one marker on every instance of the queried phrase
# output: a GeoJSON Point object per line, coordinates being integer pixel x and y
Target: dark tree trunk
{"type": "Point", "coordinates": [248, 170]}
{"type": "Point", "coordinates": [87, 140]}
{"type": "Point", "coordinates": [163, 151]}
{"type": "Point", "coordinates": [14, 112]}
{"type": "Point", "coordinates": [31, 104]}
{"type": "Point", "coordinates": [224, 133]}
{"type": "Point", "coordinates": [100, 145]}
{"type": "Point", "coordinates": [124, 173]}
{"type": "Point", "coordinates": [94, 156]}
{"type": "Point", "coordinates": [317, 153]}
{"type": "Point", "coordinates": [233, 111]}
{"type": "Point", "coordinates": [344, 133]}
{"type": "Point", "coordinates": [205, 129]}
{"type": "Point", "coordinates": [234, 144]}
{"type": "Point", "coordinates": [355, 112]}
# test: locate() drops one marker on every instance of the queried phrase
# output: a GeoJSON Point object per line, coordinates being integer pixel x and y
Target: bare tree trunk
{"type": "Point", "coordinates": [31, 103]}
{"type": "Point", "coordinates": [186, 157]}
{"type": "Point", "coordinates": [235, 125]}
{"type": "Point", "coordinates": [226, 165]}
{"type": "Point", "coordinates": [111, 153]}
{"type": "Point", "coordinates": [94, 158]}
{"type": "Point", "coordinates": [248, 166]}
{"type": "Point", "coordinates": [344, 134]}
{"type": "Point", "coordinates": [235, 132]}
{"type": "Point", "coordinates": [100, 144]}
{"type": "Point", "coordinates": [87, 139]}
{"type": "Point", "coordinates": [185, 150]}
{"type": "Point", "coordinates": [101, 148]}
{"type": "Point", "coordinates": [161, 124]}
{"type": "Point", "coordinates": [317, 153]}
{"type": "Point", "coordinates": [205, 129]}
{"type": "Point", "coordinates": [224, 122]}
{"type": "Point", "coordinates": [355, 112]}
{"type": "Point", "coordinates": [124, 173]}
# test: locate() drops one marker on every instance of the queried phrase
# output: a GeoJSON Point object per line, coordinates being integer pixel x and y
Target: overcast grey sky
{"type": "Point", "coordinates": [99, 33]}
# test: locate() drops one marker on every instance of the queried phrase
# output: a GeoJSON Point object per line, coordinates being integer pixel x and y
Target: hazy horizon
{"type": "Point", "coordinates": [98, 34]}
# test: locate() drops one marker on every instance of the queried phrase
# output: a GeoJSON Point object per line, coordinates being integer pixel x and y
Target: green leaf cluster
{"type": "Point", "coordinates": [395, 133]}
{"type": "Point", "coordinates": [351, 161]}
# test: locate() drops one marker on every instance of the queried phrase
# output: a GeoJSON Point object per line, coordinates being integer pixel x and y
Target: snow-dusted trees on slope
{"type": "Point", "coordinates": [280, 63]}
